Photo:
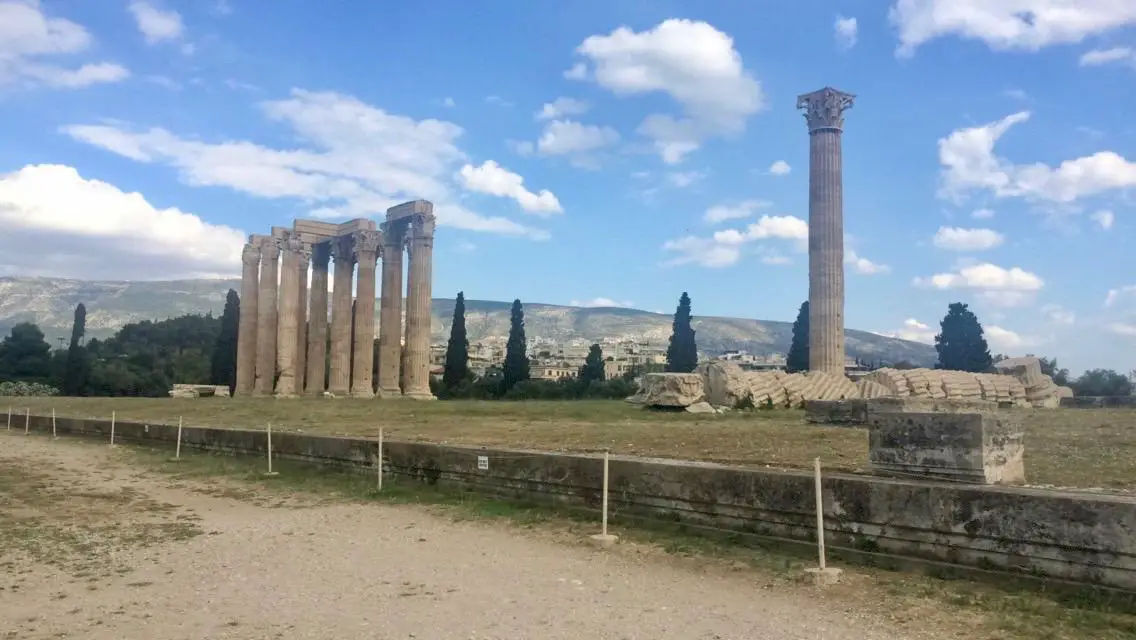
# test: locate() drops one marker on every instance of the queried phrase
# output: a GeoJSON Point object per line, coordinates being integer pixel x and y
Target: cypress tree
{"type": "Point", "coordinates": [516, 368]}
{"type": "Point", "coordinates": [798, 357]}
{"type": "Point", "coordinates": [960, 342]}
{"type": "Point", "coordinates": [682, 352]}
{"type": "Point", "coordinates": [457, 350]}
{"type": "Point", "coordinates": [223, 366]}
{"type": "Point", "coordinates": [593, 369]}
{"type": "Point", "coordinates": [78, 366]}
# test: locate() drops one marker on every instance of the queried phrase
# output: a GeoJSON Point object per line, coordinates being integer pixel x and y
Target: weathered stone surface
{"type": "Point", "coordinates": [984, 448]}
{"type": "Point", "coordinates": [891, 379]}
{"type": "Point", "coordinates": [928, 405]}
{"type": "Point", "coordinates": [701, 407]}
{"type": "Point", "coordinates": [871, 389]}
{"type": "Point", "coordinates": [1040, 390]}
{"type": "Point", "coordinates": [840, 412]}
{"type": "Point", "coordinates": [1064, 392]}
{"type": "Point", "coordinates": [670, 390]}
{"type": "Point", "coordinates": [199, 391]}
{"type": "Point", "coordinates": [726, 383]}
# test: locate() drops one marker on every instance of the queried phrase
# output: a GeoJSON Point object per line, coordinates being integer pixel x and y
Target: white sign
{"type": "Point", "coordinates": [482, 463]}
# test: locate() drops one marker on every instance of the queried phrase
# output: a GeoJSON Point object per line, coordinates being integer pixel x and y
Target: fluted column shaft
{"type": "Point", "coordinates": [288, 315]}
{"type": "Point", "coordinates": [390, 314]}
{"type": "Point", "coordinates": [825, 116]}
{"type": "Point", "coordinates": [366, 253]}
{"type": "Point", "coordinates": [302, 319]}
{"type": "Point", "coordinates": [316, 375]}
{"type": "Point", "coordinates": [246, 331]}
{"type": "Point", "coordinates": [266, 318]}
{"type": "Point", "coordinates": [340, 357]}
{"type": "Point", "coordinates": [418, 317]}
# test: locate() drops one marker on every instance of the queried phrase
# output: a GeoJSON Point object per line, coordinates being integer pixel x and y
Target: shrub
{"type": "Point", "coordinates": [27, 389]}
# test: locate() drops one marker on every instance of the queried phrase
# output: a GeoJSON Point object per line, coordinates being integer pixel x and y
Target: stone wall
{"type": "Point", "coordinates": [1075, 536]}
{"type": "Point", "coordinates": [1098, 402]}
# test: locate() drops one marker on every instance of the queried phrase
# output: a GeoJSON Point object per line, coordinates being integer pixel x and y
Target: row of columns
{"type": "Point", "coordinates": [284, 334]}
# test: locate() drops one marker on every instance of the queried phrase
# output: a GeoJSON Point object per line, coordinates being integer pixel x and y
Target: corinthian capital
{"type": "Point", "coordinates": [366, 244]}
{"type": "Point", "coordinates": [825, 109]}
{"type": "Point", "coordinates": [251, 254]}
{"type": "Point", "coordinates": [342, 249]}
{"type": "Point", "coordinates": [422, 228]}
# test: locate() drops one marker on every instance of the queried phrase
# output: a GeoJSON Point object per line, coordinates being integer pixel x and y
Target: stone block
{"type": "Point", "coordinates": [837, 412]}
{"type": "Point", "coordinates": [928, 405]}
{"type": "Point", "coordinates": [978, 447]}
{"type": "Point", "coordinates": [670, 390]}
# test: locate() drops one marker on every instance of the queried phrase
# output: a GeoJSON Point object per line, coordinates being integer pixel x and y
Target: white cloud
{"type": "Point", "coordinates": [969, 163]}
{"type": "Point", "coordinates": [682, 179]}
{"type": "Point", "coordinates": [912, 330]}
{"type": "Point", "coordinates": [1123, 329]}
{"type": "Point", "coordinates": [561, 107]}
{"type": "Point", "coordinates": [28, 37]}
{"type": "Point", "coordinates": [1026, 25]}
{"type": "Point", "coordinates": [493, 179]}
{"type": "Point", "coordinates": [846, 31]}
{"type": "Point", "coordinates": [58, 223]}
{"type": "Point", "coordinates": [982, 214]}
{"type": "Point", "coordinates": [566, 137]}
{"type": "Point", "coordinates": [692, 62]}
{"type": "Point", "coordinates": [448, 102]}
{"type": "Point", "coordinates": [780, 168]}
{"type": "Point", "coordinates": [1002, 339]}
{"type": "Point", "coordinates": [1097, 57]}
{"type": "Point", "coordinates": [1120, 292]}
{"type": "Point", "coordinates": [498, 101]}
{"type": "Point", "coordinates": [601, 302]}
{"type": "Point", "coordinates": [724, 247]}
{"type": "Point", "coordinates": [776, 259]}
{"type": "Point", "coordinates": [1104, 218]}
{"type": "Point", "coordinates": [998, 286]}
{"type": "Point", "coordinates": [724, 212]}
{"type": "Point", "coordinates": [959, 239]}
{"type": "Point", "coordinates": [356, 160]}
{"type": "Point", "coordinates": [155, 24]}
{"type": "Point", "coordinates": [862, 265]}
{"type": "Point", "coordinates": [1057, 314]}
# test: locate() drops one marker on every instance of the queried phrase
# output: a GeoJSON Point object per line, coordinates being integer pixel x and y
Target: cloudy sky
{"type": "Point", "coordinates": [613, 152]}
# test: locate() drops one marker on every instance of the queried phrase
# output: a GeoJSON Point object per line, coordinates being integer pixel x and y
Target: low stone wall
{"type": "Point", "coordinates": [1099, 402]}
{"type": "Point", "coordinates": [1080, 537]}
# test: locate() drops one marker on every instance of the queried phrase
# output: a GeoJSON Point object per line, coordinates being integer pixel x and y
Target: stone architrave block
{"type": "Point", "coordinates": [670, 390]}
{"type": "Point", "coordinates": [978, 447]}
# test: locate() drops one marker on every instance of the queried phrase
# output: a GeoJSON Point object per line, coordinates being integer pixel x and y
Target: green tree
{"type": "Point", "coordinates": [1102, 382]}
{"type": "Point", "coordinates": [960, 343]}
{"type": "Point", "coordinates": [798, 358]}
{"type": "Point", "coordinates": [593, 369]}
{"type": "Point", "coordinates": [78, 367]}
{"type": "Point", "coordinates": [223, 364]}
{"type": "Point", "coordinates": [456, 371]}
{"type": "Point", "coordinates": [25, 356]}
{"type": "Point", "coordinates": [516, 368]}
{"type": "Point", "coordinates": [682, 352]}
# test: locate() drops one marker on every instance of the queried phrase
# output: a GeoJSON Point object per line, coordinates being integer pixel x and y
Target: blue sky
{"type": "Point", "coordinates": [615, 152]}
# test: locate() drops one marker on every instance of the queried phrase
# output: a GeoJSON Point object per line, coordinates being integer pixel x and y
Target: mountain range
{"type": "Point", "coordinates": [50, 303]}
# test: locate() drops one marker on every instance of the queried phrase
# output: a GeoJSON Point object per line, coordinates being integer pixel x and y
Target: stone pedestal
{"type": "Point", "coordinates": [289, 311]}
{"type": "Point", "coordinates": [390, 313]}
{"type": "Point", "coordinates": [246, 332]}
{"type": "Point", "coordinates": [824, 111]}
{"type": "Point", "coordinates": [981, 448]}
{"type": "Point", "coordinates": [418, 316]}
{"type": "Point", "coordinates": [366, 253]}
{"type": "Point", "coordinates": [339, 382]}
{"type": "Point", "coordinates": [316, 374]}
{"type": "Point", "coordinates": [267, 318]}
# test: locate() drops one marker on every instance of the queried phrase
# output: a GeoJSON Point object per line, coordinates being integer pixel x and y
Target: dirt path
{"type": "Point", "coordinates": [94, 547]}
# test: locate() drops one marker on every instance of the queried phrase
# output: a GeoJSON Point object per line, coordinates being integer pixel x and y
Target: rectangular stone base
{"type": "Point", "coordinates": [853, 412]}
{"type": "Point", "coordinates": [981, 448]}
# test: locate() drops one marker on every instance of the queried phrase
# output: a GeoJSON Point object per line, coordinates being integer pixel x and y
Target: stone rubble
{"type": "Point", "coordinates": [1019, 382]}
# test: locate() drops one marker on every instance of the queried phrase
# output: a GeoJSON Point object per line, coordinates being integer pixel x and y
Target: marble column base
{"type": "Point", "coordinates": [419, 395]}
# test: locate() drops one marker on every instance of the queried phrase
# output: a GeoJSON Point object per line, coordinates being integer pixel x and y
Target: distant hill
{"type": "Point", "coordinates": [50, 303]}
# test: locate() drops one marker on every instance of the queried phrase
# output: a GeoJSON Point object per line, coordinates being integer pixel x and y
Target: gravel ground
{"type": "Point", "coordinates": [76, 565]}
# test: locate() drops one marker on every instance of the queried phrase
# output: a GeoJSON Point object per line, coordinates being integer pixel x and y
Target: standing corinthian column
{"type": "Point", "coordinates": [366, 253]}
{"type": "Point", "coordinates": [288, 316]}
{"type": "Point", "coordinates": [246, 331]}
{"type": "Point", "coordinates": [302, 317]}
{"type": "Point", "coordinates": [266, 318]}
{"type": "Point", "coordinates": [418, 299]}
{"type": "Point", "coordinates": [317, 323]}
{"type": "Point", "coordinates": [824, 112]}
{"type": "Point", "coordinates": [390, 311]}
{"type": "Point", "coordinates": [340, 375]}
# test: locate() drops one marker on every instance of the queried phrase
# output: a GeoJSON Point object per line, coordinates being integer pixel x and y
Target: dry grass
{"type": "Point", "coordinates": [1088, 448]}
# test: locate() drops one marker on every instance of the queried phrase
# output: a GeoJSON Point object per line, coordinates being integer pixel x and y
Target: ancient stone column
{"type": "Point", "coordinates": [390, 311]}
{"type": "Point", "coordinates": [366, 253]}
{"type": "Point", "coordinates": [316, 375]}
{"type": "Point", "coordinates": [824, 112]}
{"type": "Point", "coordinates": [302, 318]}
{"type": "Point", "coordinates": [340, 375]}
{"type": "Point", "coordinates": [267, 318]}
{"type": "Point", "coordinates": [289, 313]}
{"type": "Point", "coordinates": [418, 299]}
{"type": "Point", "coordinates": [246, 332]}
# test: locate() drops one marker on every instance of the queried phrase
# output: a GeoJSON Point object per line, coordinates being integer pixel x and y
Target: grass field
{"type": "Point", "coordinates": [1086, 448]}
